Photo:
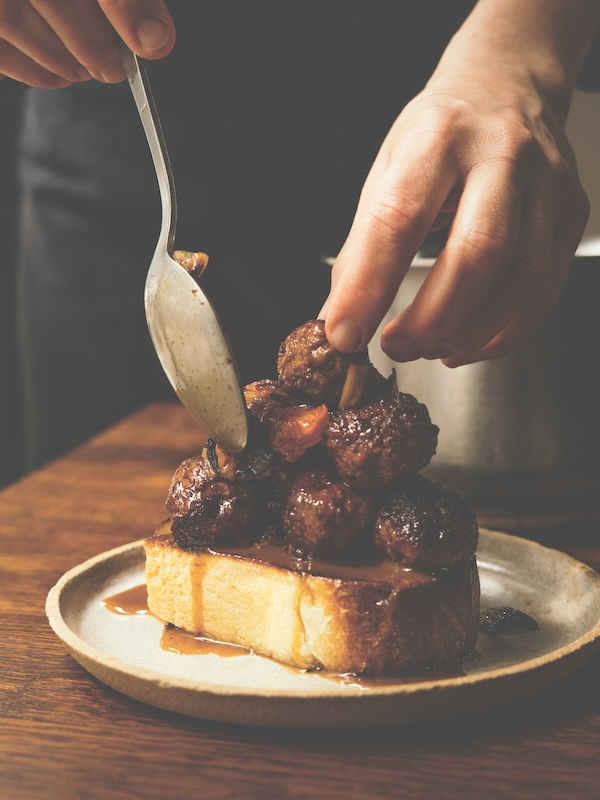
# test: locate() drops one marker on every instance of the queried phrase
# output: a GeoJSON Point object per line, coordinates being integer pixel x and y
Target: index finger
{"type": "Point", "coordinates": [397, 209]}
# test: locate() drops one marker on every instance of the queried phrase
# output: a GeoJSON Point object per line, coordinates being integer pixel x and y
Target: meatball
{"type": "Point", "coordinates": [325, 515]}
{"type": "Point", "coordinates": [312, 371]}
{"type": "Point", "coordinates": [206, 507]}
{"type": "Point", "coordinates": [382, 441]}
{"type": "Point", "coordinates": [426, 525]}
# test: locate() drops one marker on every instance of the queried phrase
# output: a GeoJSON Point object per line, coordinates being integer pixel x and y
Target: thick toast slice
{"type": "Point", "coordinates": [375, 619]}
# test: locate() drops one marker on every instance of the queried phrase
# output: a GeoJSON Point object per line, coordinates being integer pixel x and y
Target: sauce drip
{"type": "Point", "coordinates": [134, 602]}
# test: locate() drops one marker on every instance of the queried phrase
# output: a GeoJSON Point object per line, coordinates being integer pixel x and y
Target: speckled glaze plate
{"type": "Point", "coordinates": [124, 652]}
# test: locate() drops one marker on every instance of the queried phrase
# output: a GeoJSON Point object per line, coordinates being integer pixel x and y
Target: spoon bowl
{"type": "Point", "coordinates": [186, 332]}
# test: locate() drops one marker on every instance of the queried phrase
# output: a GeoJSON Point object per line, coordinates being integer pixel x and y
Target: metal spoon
{"type": "Point", "coordinates": [184, 328]}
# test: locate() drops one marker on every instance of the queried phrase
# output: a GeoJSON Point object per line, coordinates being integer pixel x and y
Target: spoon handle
{"type": "Point", "coordinates": [144, 100]}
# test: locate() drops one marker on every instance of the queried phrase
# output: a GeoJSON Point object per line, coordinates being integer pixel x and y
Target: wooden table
{"type": "Point", "coordinates": [65, 735]}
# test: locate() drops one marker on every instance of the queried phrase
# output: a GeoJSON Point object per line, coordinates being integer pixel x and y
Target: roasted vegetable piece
{"type": "Point", "coordinates": [194, 263]}
{"type": "Point", "coordinates": [292, 428]}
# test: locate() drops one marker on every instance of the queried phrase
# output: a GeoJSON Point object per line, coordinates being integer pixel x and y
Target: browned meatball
{"type": "Point", "coordinates": [323, 514]}
{"type": "Point", "coordinates": [426, 525]}
{"type": "Point", "coordinates": [206, 508]}
{"type": "Point", "coordinates": [312, 371]}
{"type": "Point", "coordinates": [382, 441]}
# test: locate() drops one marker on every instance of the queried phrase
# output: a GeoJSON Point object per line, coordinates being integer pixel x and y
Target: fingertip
{"type": "Point", "coordinates": [458, 361]}
{"type": "Point", "coordinates": [155, 37]}
{"type": "Point", "coordinates": [111, 73]}
{"type": "Point", "coordinates": [447, 362]}
{"type": "Point", "coordinates": [346, 336]}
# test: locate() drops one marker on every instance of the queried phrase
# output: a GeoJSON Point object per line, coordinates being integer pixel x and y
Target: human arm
{"type": "Point", "coordinates": [483, 146]}
{"type": "Point", "coordinates": [53, 44]}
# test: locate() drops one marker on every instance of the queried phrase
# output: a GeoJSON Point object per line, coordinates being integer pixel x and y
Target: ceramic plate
{"type": "Point", "coordinates": [124, 651]}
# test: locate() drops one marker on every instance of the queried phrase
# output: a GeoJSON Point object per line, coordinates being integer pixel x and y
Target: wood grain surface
{"type": "Point", "coordinates": [64, 735]}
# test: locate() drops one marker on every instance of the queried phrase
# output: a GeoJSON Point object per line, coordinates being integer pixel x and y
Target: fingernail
{"type": "Point", "coordinates": [404, 350]}
{"type": "Point", "coordinates": [153, 34]}
{"type": "Point", "coordinates": [346, 336]}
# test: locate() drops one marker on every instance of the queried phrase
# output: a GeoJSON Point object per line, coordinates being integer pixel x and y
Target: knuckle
{"type": "Point", "coordinates": [482, 248]}
{"type": "Point", "coordinates": [434, 335]}
{"type": "Point", "coordinates": [523, 145]}
{"type": "Point", "coordinates": [519, 142]}
{"type": "Point", "coordinates": [398, 220]}
{"type": "Point", "coordinates": [512, 143]}
{"type": "Point", "coordinates": [363, 296]}
{"type": "Point", "coordinates": [438, 119]}
{"type": "Point", "coordinates": [559, 171]}
{"type": "Point", "coordinates": [99, 54]}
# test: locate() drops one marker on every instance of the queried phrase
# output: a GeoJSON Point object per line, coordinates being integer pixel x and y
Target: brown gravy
{"type": "Point", "coordinates": [132, 601]}
{"type": "Point", "coordinates": [367, 565]}
{"type": "Point", "coordinates": [174, 640]}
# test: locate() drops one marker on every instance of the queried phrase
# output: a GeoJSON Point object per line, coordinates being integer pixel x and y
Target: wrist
{"type": "Point", "coordinates": [537, 47]}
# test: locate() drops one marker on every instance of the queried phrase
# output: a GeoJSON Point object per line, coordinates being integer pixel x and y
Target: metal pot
{"type": "Point", "coordinates": [529, 423]}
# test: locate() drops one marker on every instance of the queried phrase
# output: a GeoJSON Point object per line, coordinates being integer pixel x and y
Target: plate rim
{"type": "Point", "coordinates": [78, 646]}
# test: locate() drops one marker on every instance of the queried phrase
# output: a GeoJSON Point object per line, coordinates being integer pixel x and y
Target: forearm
{"type": "Point", "coordinates": [542, 43]}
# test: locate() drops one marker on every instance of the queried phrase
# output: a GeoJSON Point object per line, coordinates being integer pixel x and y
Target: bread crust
{"type": "Point", "coordinates": [405, 621]}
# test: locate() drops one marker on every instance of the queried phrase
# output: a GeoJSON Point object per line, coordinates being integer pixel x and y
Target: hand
{"type": "Point", "coordinates": [484, 149]}
{"type": "Point", "coordinates": [53, 44]}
